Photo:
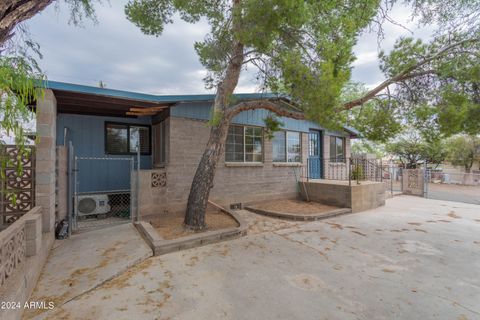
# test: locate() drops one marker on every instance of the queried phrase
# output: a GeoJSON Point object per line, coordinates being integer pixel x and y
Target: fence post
{"type": "Point", "coordinates": [137, 185]}
{"type": "Point", "coordinates": [349, 171]}
{"type": "Point", "coordinates": [75, 193]}
{"type": "Point", "coordinates": [69, 188]}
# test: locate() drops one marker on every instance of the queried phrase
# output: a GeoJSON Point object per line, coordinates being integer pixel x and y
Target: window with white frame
{"type": "Point", "coordinates": [286, 146]}
{"type": "Point", "coordinates": [244, 144]}
{"type": "Point", "coordinates": [159, 144]}
{"type": "Point", "coordinates": [337, 149]}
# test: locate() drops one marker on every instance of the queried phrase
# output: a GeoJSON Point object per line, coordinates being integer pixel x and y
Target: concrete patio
{"type": "Point", "coordinates": [414, 258]}
{"type": "Point", "coordinates": [85, 261]}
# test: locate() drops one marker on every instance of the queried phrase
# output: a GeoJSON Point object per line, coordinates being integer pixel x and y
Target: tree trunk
{"type": "Point", "coordinates": [203, 179]}
{"type": "Point", "coordinates": [13, 12]}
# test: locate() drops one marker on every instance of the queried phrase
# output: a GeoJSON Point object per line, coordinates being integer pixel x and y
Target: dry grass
{"type": "Point", "coordinates": [170, 226]}
{"type": "Point", "coordinates": [294, 207]}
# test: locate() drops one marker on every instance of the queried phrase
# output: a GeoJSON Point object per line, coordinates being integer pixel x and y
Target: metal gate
{"type": "Point", "coordinates": [102, 192]}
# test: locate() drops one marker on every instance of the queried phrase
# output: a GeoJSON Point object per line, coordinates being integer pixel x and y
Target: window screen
{"type": "Point", "coordinates": [125, 138]}
{"type": "Point", "coordinates": [337, 149]}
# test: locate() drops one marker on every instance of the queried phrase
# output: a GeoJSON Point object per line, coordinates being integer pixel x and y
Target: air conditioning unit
{"type": "Point", "coordinates": [93, 204]}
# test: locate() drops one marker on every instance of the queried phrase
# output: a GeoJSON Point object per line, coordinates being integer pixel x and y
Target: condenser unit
{"type": "Point", "coordinates": [93, 204]}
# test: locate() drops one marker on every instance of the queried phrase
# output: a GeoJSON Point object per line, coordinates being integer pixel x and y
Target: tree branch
{"type": "Point", "coordinates": [270, 105]}
{"type": "Point", "coordinates": [13, 12]}
{"type": "Point", "coordinates": [406, 74]}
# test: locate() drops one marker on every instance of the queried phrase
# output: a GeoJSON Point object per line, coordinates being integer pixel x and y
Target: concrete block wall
{"type": "Point", "coordinates": [234, 182]}
{"type": "Point", "coordinates": [62, 183]}
{"type": "Point", "coordinates": [23, 278]}
{"type": "Point", "coordinates": [361, 197]}
{"type": "Point", "coordinates": [45, 158]}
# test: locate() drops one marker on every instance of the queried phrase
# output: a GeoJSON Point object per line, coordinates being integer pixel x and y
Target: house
{"type": "Point", "coordinates": [171, 132]}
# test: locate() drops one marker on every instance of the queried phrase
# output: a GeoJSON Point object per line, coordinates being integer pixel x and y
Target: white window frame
{"type": "Point", "coordinates": [285, 132]}
{"type": "Point", "coordinates": [262, 153]}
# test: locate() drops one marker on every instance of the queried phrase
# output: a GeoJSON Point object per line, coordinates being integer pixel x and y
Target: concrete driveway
{"type": "Point", "coordinates": [453, 192]}
{"type": "Point", "coordinates": [414, 258]}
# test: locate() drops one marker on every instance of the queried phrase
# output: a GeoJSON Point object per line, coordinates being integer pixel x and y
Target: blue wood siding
{"type": "Point", "coordinates": [201, 111]}
{"type": "Point", "coordinates": [88, 138]}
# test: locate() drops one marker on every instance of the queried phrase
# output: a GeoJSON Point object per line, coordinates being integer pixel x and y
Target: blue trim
{"type": "Point", "coordinates": [195, 106]}
{"type": "Point", "coordinates": [63, 86]}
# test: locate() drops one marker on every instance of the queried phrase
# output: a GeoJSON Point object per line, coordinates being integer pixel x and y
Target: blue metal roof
{"type": "Point", "coordinates": [168, 99]}
{"type": "Point", "coordinates": [70, 87]}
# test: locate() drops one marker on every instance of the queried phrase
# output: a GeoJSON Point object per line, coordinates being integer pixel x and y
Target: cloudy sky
{"type": "Point", "coordinates": [116, 52]}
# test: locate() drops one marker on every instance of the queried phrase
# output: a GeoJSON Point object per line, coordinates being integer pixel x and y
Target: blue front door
{"type": "Point", "coordinates": [314, 152]}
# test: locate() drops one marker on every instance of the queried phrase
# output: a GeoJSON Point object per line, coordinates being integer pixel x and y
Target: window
{"type": "Point", "coordinates": [125, 138]}
{"type": "Point", "coordinates": [337, 149]}
{"type": "Point", "coordinates": [286, 146]}
{"type": "Point", "coordinates": [244, 144]}
{"type": "Point", "coordinates": [159, 144]}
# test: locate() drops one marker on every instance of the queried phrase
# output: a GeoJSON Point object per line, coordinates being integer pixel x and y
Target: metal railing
{"type": "Point", "coordinates": [346, 169]}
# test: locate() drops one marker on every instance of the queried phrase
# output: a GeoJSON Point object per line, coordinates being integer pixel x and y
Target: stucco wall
{"type": "Point", "coordinates": [234, 183]}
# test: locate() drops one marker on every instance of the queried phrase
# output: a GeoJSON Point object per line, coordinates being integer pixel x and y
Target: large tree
{"type": "Point", "coordinates": [303, 50]}
{"type": "Point", "coordinates": [463, 150]}
{"type": "Point", "coordinates": [413, 150]}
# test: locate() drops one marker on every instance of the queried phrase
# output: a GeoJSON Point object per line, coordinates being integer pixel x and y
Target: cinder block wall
{"type": "Point", "coordinates": [234, 183]}
{"type": "Point", "coordinates": [244, 183]}
{"type": "Point", "coordinates": [61, 183]}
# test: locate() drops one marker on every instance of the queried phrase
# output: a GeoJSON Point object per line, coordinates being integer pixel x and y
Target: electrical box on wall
{"type": "Point", "coordinates": [236, 206]}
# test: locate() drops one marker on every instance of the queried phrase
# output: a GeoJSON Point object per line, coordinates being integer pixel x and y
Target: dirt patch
{"type": "Point", "coordinates": [294, 207]}
{"type": "Point", "coordinates": [452, 214]}
{"type": "Point", "coordinates": [335, 225]}
{"type": "Point", "coordinates": [170, 226]}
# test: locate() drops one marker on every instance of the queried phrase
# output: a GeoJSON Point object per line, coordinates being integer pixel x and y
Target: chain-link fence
{"type": "Point", "coordinates": [102, 191]}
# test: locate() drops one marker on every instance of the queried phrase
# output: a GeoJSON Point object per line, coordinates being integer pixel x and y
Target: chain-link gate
{"type": "Point", "coordinates": [102, 192]}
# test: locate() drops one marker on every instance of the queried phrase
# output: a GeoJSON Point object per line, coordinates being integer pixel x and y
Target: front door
{"type": "Point", "coordinates": [314, 152]}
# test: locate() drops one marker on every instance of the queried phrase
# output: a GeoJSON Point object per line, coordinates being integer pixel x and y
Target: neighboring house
{"type": "Point", "coordinates": [172, 132]}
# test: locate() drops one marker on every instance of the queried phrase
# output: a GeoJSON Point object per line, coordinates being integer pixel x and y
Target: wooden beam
{"type": "Point", "coordinates": [84, 98]}
{"type": "Point", "coordinates": [148, 109]}
{"type": "Point", "coordinates": [140, 114]}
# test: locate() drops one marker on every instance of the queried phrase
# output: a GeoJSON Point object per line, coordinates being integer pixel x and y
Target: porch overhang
{"type": "Point", "coordinates": [86, 100]}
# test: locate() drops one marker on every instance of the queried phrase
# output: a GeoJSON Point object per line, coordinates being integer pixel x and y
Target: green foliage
{"type": "Point", "coordinates": [463, 150]}
{"type": "Point", "coordinates": [18, 88]}
{"type": "Point", "coordinates": [18, 84]}
{"type": "Point", "coordinates": [272, 124]}
{"type": "Point", "coordinates": [412, 150]}
{"type": "Point", "coordinates": [363, 146]}
{"type": "Point", "coordinates": [304, 50]}
{"type": "Point", "coordinates": [81, 9]}
{"type": "Point", "coordinates": [357, 172]}
{"type": "Point", "coordinates": [444, 97]}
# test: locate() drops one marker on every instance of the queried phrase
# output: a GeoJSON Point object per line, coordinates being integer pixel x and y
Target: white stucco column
{"type": "Point", "coordinates": [45, 159]}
